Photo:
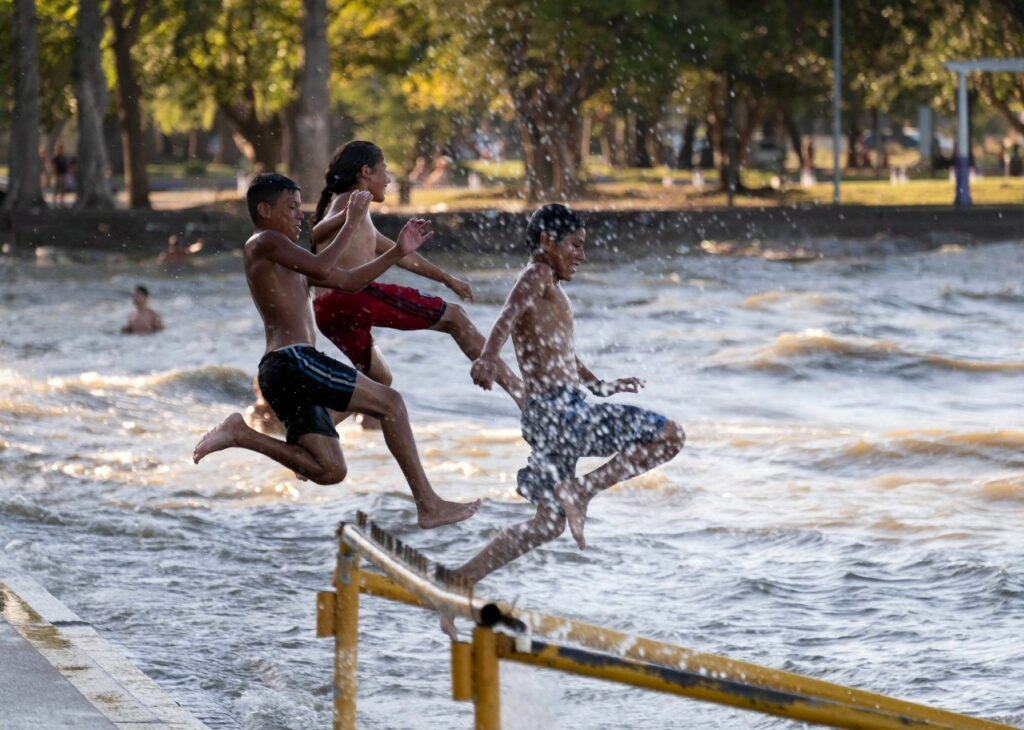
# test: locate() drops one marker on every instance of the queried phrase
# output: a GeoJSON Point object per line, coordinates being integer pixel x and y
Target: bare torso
{"type": "Point", "coordinates": [143, 321]}
{"type": "Point", "coordinates": [363, 245]}
{"type": "Point", "coordinates": [543, 340]}
{"type": "Point", "coordinates": [281, 296]}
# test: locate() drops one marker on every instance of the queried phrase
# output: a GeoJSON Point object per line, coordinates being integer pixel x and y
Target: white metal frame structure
{"type": "Point", "coordinates": [963, 149]}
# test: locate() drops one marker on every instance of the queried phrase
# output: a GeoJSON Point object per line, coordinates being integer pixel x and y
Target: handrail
{"type": "Point", "coordinates": [617, 656]}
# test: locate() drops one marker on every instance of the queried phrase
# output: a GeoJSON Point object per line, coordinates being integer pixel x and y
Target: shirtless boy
{"type": "Point", "coordinates": [558, 422]}
{"type": "Point", "coordinates": [347, 317]}
{"type": "Point", "coordinates": [299, 382]}
{"type": "Point", "coordinates": [143, 321]}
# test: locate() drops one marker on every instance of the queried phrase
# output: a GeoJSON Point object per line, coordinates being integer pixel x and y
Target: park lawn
{"type": "Point", "coordinates": [652, 193]}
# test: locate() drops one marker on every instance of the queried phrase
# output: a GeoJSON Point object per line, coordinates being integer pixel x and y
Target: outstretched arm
{"type": "Point", "coordinates": [530, 285]}
{"type": "Point", "coordinates": [279, 249]}
{"type": "Point", "coordinates": [605, 388]}
{"type": "Point", "coordinates": [413, 235]}
{"type": "Point", "coordinates": [328, 226]}
{"type": "Point", "coordinates": [417, 264]}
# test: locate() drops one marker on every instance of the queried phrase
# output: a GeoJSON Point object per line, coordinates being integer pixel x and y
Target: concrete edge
{"type": "Point", "coordinates": [93, 666]}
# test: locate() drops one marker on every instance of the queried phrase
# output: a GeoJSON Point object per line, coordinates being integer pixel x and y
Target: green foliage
{"type": "Point", "coordinates": [56, 37]}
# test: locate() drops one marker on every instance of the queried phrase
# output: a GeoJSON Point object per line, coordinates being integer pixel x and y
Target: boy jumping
{"type": "Point", "coordinates": [347, 317]}
{"type": "Point", "coordinates": [299, 382]}
{"type": "Point", "coordinates": [557, 421]}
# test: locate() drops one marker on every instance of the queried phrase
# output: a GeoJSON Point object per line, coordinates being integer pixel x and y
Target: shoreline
{"type": "Point", "coordinates": [144, 233]}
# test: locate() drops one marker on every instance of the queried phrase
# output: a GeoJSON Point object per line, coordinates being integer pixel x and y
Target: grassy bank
{"type": "Point", "coordinates": [500, 185]}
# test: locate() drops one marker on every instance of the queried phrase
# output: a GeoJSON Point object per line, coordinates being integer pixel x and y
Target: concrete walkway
{"type": "Point", "coordinates": [57, 672]}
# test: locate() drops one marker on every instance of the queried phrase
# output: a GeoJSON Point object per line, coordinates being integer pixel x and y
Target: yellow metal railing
{"type": "Point", "coordinates": [597, 652]}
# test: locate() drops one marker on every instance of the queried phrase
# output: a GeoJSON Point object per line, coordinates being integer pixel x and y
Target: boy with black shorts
{"type": "Point", "coordinates": [301, 383]}
{"type": "Point", "coordinates": [558, 421]}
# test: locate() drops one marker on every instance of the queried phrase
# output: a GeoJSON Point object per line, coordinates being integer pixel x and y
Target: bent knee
{"type": "Point", "coordinates": [673, 437]}
{"type": "Point", "coordinates": [454, 318]}
{"type": "Point", "coordinates": [392, 403]}
{"type": "Point", "coordinates": [332, 474]}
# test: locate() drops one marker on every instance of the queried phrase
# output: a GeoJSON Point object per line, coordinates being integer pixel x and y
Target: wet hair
{"type": "Point", "coordinates": [555, 219]}
{"type": "Point", "coordinates": [265, 188]}
{"type": "Point", "coordinates": [343, 172]}
{"type": "Point", "coordinates": [142, 290]}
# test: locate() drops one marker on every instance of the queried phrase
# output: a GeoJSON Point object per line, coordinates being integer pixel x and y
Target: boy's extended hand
{"type": "Point", "coordinates": [483, 371]}
{"type": "Point", "coordinates": [413, 235]}
{"type": "Point", "coordinates": [358, 204]}
{"type": "Point", "coordinates": [605, 388]}
{"type": "Point", "coordinates": [460, 287]}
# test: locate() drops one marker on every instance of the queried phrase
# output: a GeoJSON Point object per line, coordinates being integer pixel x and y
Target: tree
{"type": "Point", "coordinates": [24, 191]}
{"type": "Point", "coordinates": [547, 58]}
{"type": "Point", "coordinates": [241, 57]}
{"type": "Point", "coordinates": [308, 115]}
{"type": "Point", "coordinates": [91, 94]}
{"type": "Point", "coordinates": [127, 27]}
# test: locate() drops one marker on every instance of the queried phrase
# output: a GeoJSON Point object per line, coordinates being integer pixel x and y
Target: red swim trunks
{"type": "Point", "coordinates": [345, 318]}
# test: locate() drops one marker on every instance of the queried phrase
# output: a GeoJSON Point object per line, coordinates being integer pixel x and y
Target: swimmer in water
{"type": "Point", "coordinates": [143, 321]}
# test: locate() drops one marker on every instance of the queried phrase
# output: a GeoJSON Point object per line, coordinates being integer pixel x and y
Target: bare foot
{"type": "Point", "coordinates": [222, 436]}
{"type": "Point", "coordinates": [575, 512]}
{"type": "Point", "coordinates": [448, 625]}
{"type": "Point", "coordinates": [446, 513]}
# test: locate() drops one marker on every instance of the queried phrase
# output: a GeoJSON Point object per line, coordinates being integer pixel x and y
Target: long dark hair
{"type": "Point", "coordinates": [343, 172]}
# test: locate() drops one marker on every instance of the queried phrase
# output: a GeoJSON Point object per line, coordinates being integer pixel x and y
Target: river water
{"type": "Point", "coordinates": [849, 503]}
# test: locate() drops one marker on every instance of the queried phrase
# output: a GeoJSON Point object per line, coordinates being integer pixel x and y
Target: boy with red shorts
{"type": "Point", "coordinates": [347, 318]}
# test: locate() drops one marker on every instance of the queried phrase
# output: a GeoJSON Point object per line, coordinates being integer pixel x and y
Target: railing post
{"type": "Point", "coordinates": [486, 684]}
{"type": "Point", "coordinates": [346, 638]}
{"type": "Point", "coordinates": [462, 671]}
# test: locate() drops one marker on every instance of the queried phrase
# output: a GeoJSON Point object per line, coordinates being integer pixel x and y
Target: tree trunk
{"type": "Point", "coordinates": [308, 138]}
{"type": "Point", "coordinates": [129, 98]}
{"type": "Point", "coordinates": [259, 140]}
{"type": "Point", "coordinates": [644, 135]}
{"type": "Point", "coordinates": [685, 159]}
{"type": "Point", "coordinates": [93, 190]}
{"type": "Point", "coordinates": [1002, 104]}
{"type": "Point", "coordinates": [23, 189]}
{"type": "Point", "coordinates": [853, 143]}
{"type": "Point", "coordinates": [550, 129]}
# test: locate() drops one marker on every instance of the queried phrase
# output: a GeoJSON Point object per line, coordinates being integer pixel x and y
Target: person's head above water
{"type": "Point", "coordinates": [356, 165]}
{"type": "Point", "coordinates": [555, 235]}
{"type": "Point", "coordinates": [140, 295]}
{"type": "Point", "coordinates": [274, 203]}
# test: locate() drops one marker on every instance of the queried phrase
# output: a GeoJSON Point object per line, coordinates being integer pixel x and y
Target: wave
{"type": "Point", "coordinates": [831, 350]}
{"type": "Point", "coordinates": [1008, 295]}
{"type": "Point", "coordinates": [1003, 490]}
{"type": "Point", "coordinates": [1001, 446]}
{"type": "Point", "coordinates": [211, 380]}
{"type": "Point", "coordinates": [764, 300]}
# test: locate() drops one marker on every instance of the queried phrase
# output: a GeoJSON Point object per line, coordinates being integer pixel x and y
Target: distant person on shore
{"type": "Point", "coordinates": [558, 422]}
{"type": "Point", "coordinates": [298, 381]}
{"type": "Point", "coordinates": [142, 321]}
{"type": "Point", "coordinates": [348, 317]}
{"type": "Point", "coordinates": [61, 175]}
{"type": "Point", "coordinates": [1015, 165]}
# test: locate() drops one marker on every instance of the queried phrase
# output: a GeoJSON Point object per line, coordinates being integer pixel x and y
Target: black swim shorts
{"type": "Point", "coordinates": [300, 383]}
